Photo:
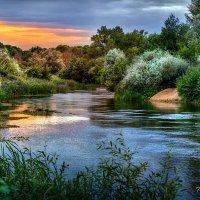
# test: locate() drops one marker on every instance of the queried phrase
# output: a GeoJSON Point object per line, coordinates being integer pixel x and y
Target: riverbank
{"type": "Point", "coordinates": [21, 87]}
{"type": "Point", "coordinates": [169, 95]}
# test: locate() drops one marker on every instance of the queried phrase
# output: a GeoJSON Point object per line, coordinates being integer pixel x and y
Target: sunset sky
{"type": "Point", "coordinates": [47, 23]}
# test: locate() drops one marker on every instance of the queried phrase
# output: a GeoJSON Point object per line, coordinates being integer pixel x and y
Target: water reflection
{"type": "Point", "coordinates": [72, 124]}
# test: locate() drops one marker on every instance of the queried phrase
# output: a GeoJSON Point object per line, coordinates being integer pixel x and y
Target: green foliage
{"type": "Point", "coordinates": [154, 69]}
{"type": "Point", "coordinates": [194, 10]}
{"type": "Point", "coordinates": [115, 68]}
{"type": "Point", "coordinates": [154, 41]}
{"type": "Point", "coordinates": [96, 70]}
{"type": "Point", "coordinates": [78, 70]}
{"type": "Point", "coordinates": [189, 52]}
{"type": "Point", "coordinates": [12, 50]}
{"type": "Point", "coordinates": [170, 33]}
{"type": "Point", "coordinates": [38, 71]}
{"type": "Point", "coordinates": [8, 66]}
{"type": "Point", "coordinates": [135, 39]}
{"type": "Point", "coordinates": [31, 86]}
{"type": "Point", "coordinates": [189, 85]}
{"type": "Point", "coordinates": [128, 94]}
{"type": "Point", "coordinates": [28, 175]}
{"type": "Point", "coordinates": [109, 38]}
{"type": "Point", "coordinates": [49, 57]}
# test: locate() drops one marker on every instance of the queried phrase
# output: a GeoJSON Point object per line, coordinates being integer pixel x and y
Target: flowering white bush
{"type": "Point", "coordinates": [115, 68]}
{"type": "Point", "coordinates": [8, 65]}
{"type": "Point", "coordinates": [114, 55]}
{"type": "Point", "coordinates": [153, 69]}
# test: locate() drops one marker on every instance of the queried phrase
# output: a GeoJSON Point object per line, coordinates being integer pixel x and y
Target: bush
{"type": "Point", "coordinates": [8, 66]}
{"type": "Point", "coordinates": [78, 70]}
{"type": "Point", "coordinates": [96, 70]}
{"type": "Point", "coordinates": [38, 71]}
{"type": "Point", "coordinates": [154, 69]}
{"type": "Point", "coordinates": [51, 58]}
{"type": "Point", "coordinates": [115, 67]}
{"type": "Point", "coordinates": [189, 85]}
{"type": "Point", "coordinates": [28, 175]}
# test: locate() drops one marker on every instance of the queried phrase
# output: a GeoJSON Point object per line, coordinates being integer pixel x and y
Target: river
{"type": "Point", "coordinates": [72, 124]}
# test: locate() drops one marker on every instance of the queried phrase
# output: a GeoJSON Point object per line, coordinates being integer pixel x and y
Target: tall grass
{"type": "Point", "coordinates": [13, 88]}
{"type": "Point", "coordinates": [28, 175]}
{"type": "Point", "coordinates": [32, 86]}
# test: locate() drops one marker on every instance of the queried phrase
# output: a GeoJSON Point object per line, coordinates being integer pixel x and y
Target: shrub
{"type": "Point", "coordinates": [78, 70]}
{"type": "Point", "coordinates": [154, 69]}
{"type": "Point", "coordinates": [38, 71]}
{"type": "Point", "coordinates": [28, 175]}
{"type": "Point", "coordinates": [8, 66]}
{"type": "Point", "coordinates": [96, 70]}
{"type": "Point", "coordinates": [114, 55]}
{"type": "Point", "coordinates": [189, 85]}
{"type": "Point", "coordinates": [51, 58]}
{"type": "Point", "coordinates": [115, 67]}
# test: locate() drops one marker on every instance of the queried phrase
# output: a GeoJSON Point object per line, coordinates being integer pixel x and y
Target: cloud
{"type": "Point", "coordinates": [28, 36]}
{"type": "Point", "coordinates": [91, 14]}
{"type": "Point", "coordinates": [166, 8]}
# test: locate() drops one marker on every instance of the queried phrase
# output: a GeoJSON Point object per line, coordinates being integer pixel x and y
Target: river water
{"type": "Point", "coordinates": [72, 124]}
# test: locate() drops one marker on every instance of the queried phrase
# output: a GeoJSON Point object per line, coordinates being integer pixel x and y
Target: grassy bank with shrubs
{"type": "Point", "coordinates": [37, 175]}
{"type": "Point", "coordinates": [17, 81]}
{"type": "Point", "coordinates": [144, 76]}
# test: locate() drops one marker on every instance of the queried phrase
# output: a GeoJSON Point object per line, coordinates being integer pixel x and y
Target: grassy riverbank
{"type": "Point", "coordinates": [33, 87]}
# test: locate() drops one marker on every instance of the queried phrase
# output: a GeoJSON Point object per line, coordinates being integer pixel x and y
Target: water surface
{"type": "Point", "coordinates": [72, 124]}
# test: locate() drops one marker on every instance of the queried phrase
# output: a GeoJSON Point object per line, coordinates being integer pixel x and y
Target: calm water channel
{"type": "Point", "coordinates": [72, 124]}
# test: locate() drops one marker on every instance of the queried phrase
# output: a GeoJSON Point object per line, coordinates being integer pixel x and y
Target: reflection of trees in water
{"type": "Point", "coordinates": [110, 113]}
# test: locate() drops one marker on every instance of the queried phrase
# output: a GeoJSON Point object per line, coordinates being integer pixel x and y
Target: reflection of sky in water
{"type": "Point", "coordinates": [175, 116]}
{"type": "Point", "coordinates": [83, 119]}
{"type": "Point", "coordinates": [50, 120]}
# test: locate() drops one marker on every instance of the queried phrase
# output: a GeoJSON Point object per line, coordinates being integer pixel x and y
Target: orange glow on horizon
{"type": "Point", "coordinates": [25, 36]}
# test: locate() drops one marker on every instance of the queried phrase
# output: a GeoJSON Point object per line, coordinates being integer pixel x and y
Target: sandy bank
{"type": "Point", "coordinates": [169, 95]}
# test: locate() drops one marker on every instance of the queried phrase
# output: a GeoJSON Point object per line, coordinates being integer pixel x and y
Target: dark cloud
{"type": "Point", "coordinates": [91, 14]}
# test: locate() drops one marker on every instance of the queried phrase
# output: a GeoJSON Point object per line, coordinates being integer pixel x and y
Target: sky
{"type": "Point", "coordinates": [47, 23]}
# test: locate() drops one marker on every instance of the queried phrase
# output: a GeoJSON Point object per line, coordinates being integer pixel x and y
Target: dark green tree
{"type": "Point", "coordinates": [107, 38]}
{"type": "Point", "coordinates": [194, 10]}
{"type": "Point", "coordinates": [170, 33]}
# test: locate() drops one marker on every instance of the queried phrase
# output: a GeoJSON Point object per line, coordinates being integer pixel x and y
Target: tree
{"type": "Point", "coordinates": [106, 38]}
{"type": "Point", "coordinates": [194, 10]}
{"type": "Point", "coordinates": [136, 38]}
{"type": "Point", "coordinates": [193, 19]}
{"type": "Point", "coordinates": [170, 33]}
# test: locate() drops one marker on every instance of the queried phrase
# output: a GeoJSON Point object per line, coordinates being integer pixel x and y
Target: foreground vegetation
{"type": "Point", "coordinates": [28, 175]}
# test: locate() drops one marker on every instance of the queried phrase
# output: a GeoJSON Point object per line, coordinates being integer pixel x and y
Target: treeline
{"type": "Point", "coordinates": [135, 64]}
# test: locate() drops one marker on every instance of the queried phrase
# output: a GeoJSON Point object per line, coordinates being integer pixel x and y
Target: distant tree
{"type": "Point", "coordinates": [37, 49]}
{"type": "Point", "coordinates": [136, 39]}
{"type": "Point", "coordinates": [154, 41]}
{"type": "Point", "coordinates": [12, 50]}
{"type": "Point", "coordinates": [63, 48]}
{"type": "Point", "coordinates": [103, 39]}
{"type": "Point", "coordinates": [78, 70]}
{"type": "Point", "coordinates": [109, 38]}
{"type": "Point", "coordinates": [170, 33]}
{"type": "Point", "coordinates": [50, 57]}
